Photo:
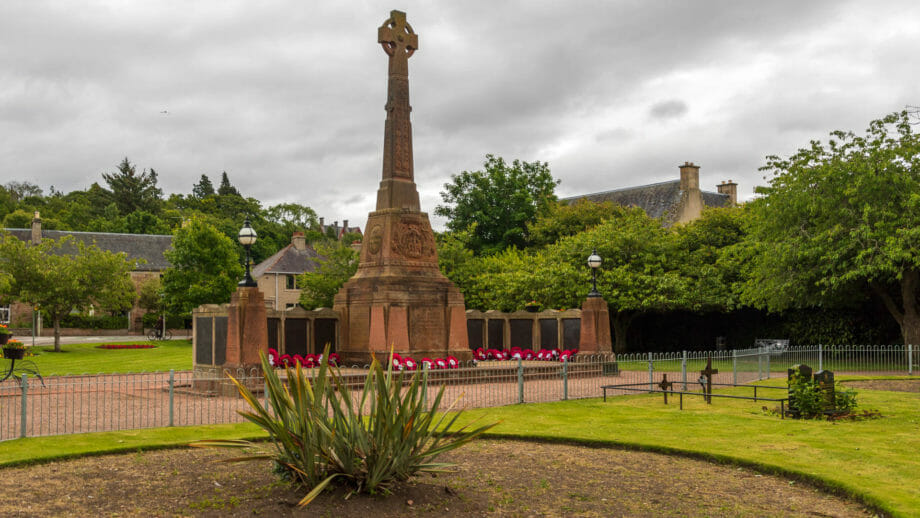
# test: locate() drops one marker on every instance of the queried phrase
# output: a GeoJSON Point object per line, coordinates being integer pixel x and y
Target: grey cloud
{"type": "Point", "coordinates": [671, 109]}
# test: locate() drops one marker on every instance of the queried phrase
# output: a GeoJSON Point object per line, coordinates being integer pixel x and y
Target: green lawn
{"type": "Point", "coordinates": [88, 359]}
{"type": "Point", "coordinates": [875, 460]}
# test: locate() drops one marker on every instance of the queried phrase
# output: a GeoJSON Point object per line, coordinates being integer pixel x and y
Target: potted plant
{"type": "Point", "coordinates": [532, 306]}
{"type": "Point", "coordinates": [5, 333]}
{"type": "Point", "coordinates": [14, 350]}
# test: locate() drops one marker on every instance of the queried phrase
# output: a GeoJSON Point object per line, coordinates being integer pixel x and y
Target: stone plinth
{"type": "Point", "coordinates": [595, 326]}
{"type": "Point", "coordinates": [247, 329]}
{"type": "Point", "coordinates": [398, 297]}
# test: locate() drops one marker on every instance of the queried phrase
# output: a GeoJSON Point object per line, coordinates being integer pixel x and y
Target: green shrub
{"type": "Point", "coordinates": [806, 398]}
{"type": "Point", "coordinates": [94, 322]}
{"type": "Point", "coordinates": [844, 399]}
{"type": "Point", "coordinates": [320, 432]}
{"type": "Point", "coordinates": [805, 395]}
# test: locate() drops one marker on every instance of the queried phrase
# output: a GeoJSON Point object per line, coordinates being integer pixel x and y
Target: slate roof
{"type": "Point", "coordinates": [148, 247]}
{"type": "Point", "coordinates": [288, 260]}
{"type": "Point", "coordinates": [655, 199]}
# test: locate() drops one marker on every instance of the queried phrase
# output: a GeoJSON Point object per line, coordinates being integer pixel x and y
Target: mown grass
{"type": "Point", "coordinates": [89, 359]}
{"type": "Point", "coordinates": [34, 450]}
{"type": "Point", "coordinates": [874, 460]}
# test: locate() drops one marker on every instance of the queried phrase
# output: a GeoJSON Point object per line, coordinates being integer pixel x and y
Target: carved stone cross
{"type": "Point", "coordinates": [399, 42]}
{"type": "Point", "coordinates": [665, 386]}
{"type": "Point", "coordinates": [708, 372]}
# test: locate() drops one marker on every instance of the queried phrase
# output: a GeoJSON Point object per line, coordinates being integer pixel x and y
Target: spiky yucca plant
{"type": "Point", "coordinates": [319, 432]}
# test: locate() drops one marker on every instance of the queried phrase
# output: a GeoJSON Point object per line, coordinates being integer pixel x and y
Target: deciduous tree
{"type": "Point", "coordinates": [841, 215]}
{"type": "Point", "coordinates": [501, 199]}
{"type": "Point", "coordinates": [205, 267]}
{"type": "Point", "coordinates": [58, 276]}
{"type": "Point", "coordinates": [337, 263]}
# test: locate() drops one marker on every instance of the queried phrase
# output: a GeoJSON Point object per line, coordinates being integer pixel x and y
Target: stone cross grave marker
{"type": "Point", "coordinates": [707, 373]}
{"type": "Point", "coordinates": [825, 382]}
{"type": "Point", "coordinates": [665, 386]}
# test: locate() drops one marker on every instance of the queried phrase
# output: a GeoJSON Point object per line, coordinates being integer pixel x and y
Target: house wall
{"type": "Point", "coordinates": [274, 286]}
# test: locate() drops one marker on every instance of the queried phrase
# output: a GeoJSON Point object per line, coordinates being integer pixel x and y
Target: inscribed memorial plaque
{"type": "Point", "coordinates": [522, 333]}
{"type": "Point", "coordinates": [203, 341]}
{"type": "Point", "coordinates": [571, 333]}
{"type": "Point", "coordinates": [549, 333]}
{"type": "Point", "coordinates": [496, 334]}
{"type": "Point", "coordinates": [220, 340]}
{"type": "Point", "coordinates": [474, 328]}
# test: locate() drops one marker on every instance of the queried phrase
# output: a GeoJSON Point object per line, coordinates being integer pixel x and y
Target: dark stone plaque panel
{"type": "Point", "coordinates": [496, 334]}
{"type": "Point", "coordinates": [325, 334]}
{"type": "Point", "coordinates": [295, 336]}
{"type": "Point", "coordinates": [203, 328]}
{"type": "Point", "coordinates": [549, 333]}
{"type": "Point", "coordinates": [571, 333]}
{"type": "Point", "coordinates": [274, 324]}
{"type": "Point", "coordinates": [522, 333]}
{"type": "Point", "coordinates": [474, 331]}
{"type": "Point", "coordinates": [220, 340]}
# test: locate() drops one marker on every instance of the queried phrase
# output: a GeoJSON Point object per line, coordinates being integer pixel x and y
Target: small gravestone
{"type": "Point", "coordinates": [825, 382]}
{"type": "Point", "coordinates": [803, 372]}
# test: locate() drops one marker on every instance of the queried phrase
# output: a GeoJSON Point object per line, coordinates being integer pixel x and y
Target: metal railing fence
{"type": "Point", "coordinates": [94, 403]}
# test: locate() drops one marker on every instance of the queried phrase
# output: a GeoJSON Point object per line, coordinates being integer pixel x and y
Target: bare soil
{"type": "Point", "coordinates": [909, 385]}
{"type": "Point", "coordinates": [493, 478]}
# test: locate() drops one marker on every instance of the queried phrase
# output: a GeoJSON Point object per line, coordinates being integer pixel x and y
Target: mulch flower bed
{"type": "Point", "coordinates": [125, 346]}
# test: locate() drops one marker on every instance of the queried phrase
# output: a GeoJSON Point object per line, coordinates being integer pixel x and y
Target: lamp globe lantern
{"type": "Point", "coordinates": [247, 237]}
{"type": "Point", "coordinates": [594, 261]}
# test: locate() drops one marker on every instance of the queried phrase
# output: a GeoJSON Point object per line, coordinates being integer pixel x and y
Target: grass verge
{"type": "Point", "coordinates": [89, 359]}
{"type": "Point", "coordinates": [36, 450]}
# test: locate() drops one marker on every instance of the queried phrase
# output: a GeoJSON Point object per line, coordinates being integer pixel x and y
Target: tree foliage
{"type": "Point", "coordinates": [646, 268]}
{"type": "Point", "coordinates": [337, 262]}
{"type": "Point", "coordinates": [564, 219]}
{"type": "Point", "coordinates": [58, 276]}
{"type": "Point", "coordinates": [205, 267]}
{"type": "Point", "coordinates": [502, 200]}
{"type": "Point", "coordinates": [132, 191]}
{"type": "Point", "coordinates": [840, 216]}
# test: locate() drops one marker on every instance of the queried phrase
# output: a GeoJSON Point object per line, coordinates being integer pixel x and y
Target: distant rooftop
{"type": "Point", "coordinates": [148, 247]}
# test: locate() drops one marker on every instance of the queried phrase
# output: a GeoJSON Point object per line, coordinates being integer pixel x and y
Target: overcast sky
{"type": "Point", "coordinates": [287, 97]}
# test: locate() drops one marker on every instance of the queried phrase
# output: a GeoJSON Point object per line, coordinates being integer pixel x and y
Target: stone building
{"type": "Point", "coordinates": [676, 201]}
{"type": "Point", "coordinates": [146, 249]}
{"type": "Point", "coordinates": [277, 275]}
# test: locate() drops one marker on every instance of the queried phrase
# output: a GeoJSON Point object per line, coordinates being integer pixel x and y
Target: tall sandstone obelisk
{"type": "Point", "coordinates": [399, 298]}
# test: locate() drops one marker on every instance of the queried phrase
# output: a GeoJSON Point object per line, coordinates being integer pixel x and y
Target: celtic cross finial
{"type": "Point", "coordinates": [397, 37]}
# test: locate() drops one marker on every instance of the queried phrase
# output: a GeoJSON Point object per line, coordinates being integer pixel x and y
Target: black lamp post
{"type": "Point", "coordinates": [594, 261]}
{"type": "Point", "coordinates": [247, 238]}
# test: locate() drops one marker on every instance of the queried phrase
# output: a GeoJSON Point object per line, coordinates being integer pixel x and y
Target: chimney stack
{"type": "Point", "coordinates": [322, 224]}
{"type": "Point", "coordinates": [36, 229]}
{"type": "Point", "coordinates": [689, 177]}
{"type": "Point", "coordinates": [731, 189]}
{"type": "Point", "coordinates": [299, 241]}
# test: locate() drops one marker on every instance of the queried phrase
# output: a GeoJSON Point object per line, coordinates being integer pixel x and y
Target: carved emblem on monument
{"type": "Point", "coordinates": [413, 241]}
{"type": "Point", "coordinates": [374, 239]}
